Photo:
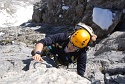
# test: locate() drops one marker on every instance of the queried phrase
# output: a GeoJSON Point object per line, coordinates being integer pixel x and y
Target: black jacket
{"type": "Point", "coordinates": [63, 39]}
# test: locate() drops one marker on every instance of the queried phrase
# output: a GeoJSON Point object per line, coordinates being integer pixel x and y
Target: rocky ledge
{"type": "Point", "coordinates": [105, 64]}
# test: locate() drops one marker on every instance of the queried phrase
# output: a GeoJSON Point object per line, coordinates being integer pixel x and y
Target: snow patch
{"type": "Point", "coordinates": [60, 15]}
{"type": "Point", "coordinates": [1, 33]}
{"type": "Point", "coordinates": [123, 11]}
{"type": "Point", "coordinates": [22, 13]}
{"type": "Point", "coordinates": [65, 7]}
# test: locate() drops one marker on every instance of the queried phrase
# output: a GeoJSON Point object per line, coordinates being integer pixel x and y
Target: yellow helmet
{"type": "Point", "coordinates": [80, 38]}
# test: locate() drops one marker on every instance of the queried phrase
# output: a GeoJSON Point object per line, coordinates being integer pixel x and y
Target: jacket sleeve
{"type": "Point", "coordinates": [81, 64]}
{"type": "Point", "coordinates": [56, 38]}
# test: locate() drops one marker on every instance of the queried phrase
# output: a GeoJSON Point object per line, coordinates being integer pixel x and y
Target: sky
{"type": "Point", "coordinates": [102, 17]}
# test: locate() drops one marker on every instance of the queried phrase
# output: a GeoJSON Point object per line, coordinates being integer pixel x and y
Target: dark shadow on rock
{"type": "Point", "coordinates": [49, 63]}
{"type": "Point", "coordinates": [49, 29]}
{"type": "Point", "coordinates": [27, 62]}
{"type": "Point", "coordinates": [115, 71]}
{"type": "Point", "coordinates": [28, 24]}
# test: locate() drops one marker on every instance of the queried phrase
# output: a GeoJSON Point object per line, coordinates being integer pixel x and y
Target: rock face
{"type": "Point", "coordinates": [17, 65]}
{"type": "Point", "coordinates": [58, 11]}
{"type": "Point", "coordinates": [63, 12]}
{"type": "Point", "coordinates": [105, 64]}
{"type": "Point", "coordinates": [106, 60]}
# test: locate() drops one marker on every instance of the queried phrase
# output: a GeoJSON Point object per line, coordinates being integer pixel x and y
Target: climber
{"type": "Point", "coordinates": [67, 47]}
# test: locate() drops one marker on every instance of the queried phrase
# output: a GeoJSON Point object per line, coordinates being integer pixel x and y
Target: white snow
{"type": "Point", "coordinates": [1, 33]}
{"type": "Point", "coordinates": [22, 13]}
{"type": "Point", "coordinates": [123, 11]}
{"type": "Point", "coordinates": [65, 7]}
{"type": "Point", "coordinates": [60, 15]}
{"type": "Point", "coordinates": [102, 17]}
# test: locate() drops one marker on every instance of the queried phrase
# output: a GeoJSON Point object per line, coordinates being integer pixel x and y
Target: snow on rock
{"type": "Point", "coordinates": [1, 33]}
{"type": "Point", "coordinates": [65, 7]}
{"type": "Point", "coordinates": [102, 17]}
{"type": "Point", "coordinates": [14, 13]}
